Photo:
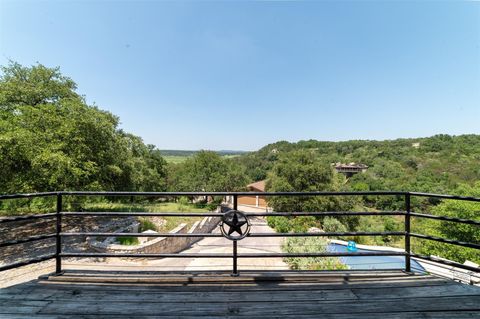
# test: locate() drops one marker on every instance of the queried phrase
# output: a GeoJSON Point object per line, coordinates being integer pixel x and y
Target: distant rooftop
{"type": "Point", "coordinates": [257, 186]}
{"type": "Point", "coordinates": [350, 165]}
{"type": "Point", "coordinates": [350, 168]}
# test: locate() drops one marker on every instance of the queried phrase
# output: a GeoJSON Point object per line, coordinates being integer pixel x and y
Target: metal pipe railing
{"type": "Point", "coordinates": [26, 217]}
{"type": "Point", "coordinates": [27, 262]}
{"type": "Point", "coordinates": [234, 242]}
{"type": "Point", "coordinates": [238, 255]}
{"type": "Point", "coordinates": [59, 234]}
{"type": "Point", "coordinates": [26, 240]}
{"type": "Point", "coordinates": [58, 230]}
{"type": "Point", "coordinates": [139, 234]}
{"type": "Point", "coordinates": [447, 241]}
{"type": "Point", "coordinates": [448, 219]}
{"type": "Point", "coordinates": [408, 267]}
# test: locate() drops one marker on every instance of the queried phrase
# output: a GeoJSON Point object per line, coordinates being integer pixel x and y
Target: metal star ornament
{"type": "Point", "coordinates": [236, 222]}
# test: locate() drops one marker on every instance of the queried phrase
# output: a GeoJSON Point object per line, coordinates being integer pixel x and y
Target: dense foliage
{"type": "Point", "coordinates": [433, 164]}
{"type": "Point", "coordinates": [439, 164]}
{"type": "Point", "coordinates": [207, 171]}
{"type": "Point", "coordinates": [310, 245]}
{"type": "Point", "coordinates": [456, 231]}
{"type": "Point", "coordinates": [50, 139]}
{"type": "Point", "coordinates": [300, 170]}
{"type": "Point", "coordinates": [303, 171]}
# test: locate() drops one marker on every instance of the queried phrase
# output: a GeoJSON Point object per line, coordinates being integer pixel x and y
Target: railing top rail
{"type": "Point", "coordinates": [467, 198]}
{"type": "Point", "coordinates": [88, 193]}
{"type": "Point", "coordinates": [125, 193]}
{"type": "Point", "coordinates": [27, 195]}
{"type": "Point", "coordinates": [215, 214]}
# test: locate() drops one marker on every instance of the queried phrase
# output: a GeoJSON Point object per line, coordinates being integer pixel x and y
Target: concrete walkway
{"type": "Point", "coordinates": [246, 245]}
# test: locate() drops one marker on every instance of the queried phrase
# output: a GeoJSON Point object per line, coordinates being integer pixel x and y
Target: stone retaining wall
{"type": "Point", "coordinates": [26, 228]}
{"type": "Point", "coordinates": [160, 244]}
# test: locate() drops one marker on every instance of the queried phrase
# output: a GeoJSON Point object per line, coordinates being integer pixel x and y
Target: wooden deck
{"type": "Point", "coordinates": [81, 294]}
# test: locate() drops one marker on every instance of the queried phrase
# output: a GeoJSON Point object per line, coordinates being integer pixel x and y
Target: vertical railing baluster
{"type": "Point", "coordinates": [235, 267]}
{"type": "Point", "coordinates": [407, 232]}
{"type": "Point", "coordinates": [58, 258]}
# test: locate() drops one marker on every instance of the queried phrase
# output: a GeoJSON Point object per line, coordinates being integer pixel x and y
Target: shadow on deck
{"type": "Point", "coordinates": [100, 294]}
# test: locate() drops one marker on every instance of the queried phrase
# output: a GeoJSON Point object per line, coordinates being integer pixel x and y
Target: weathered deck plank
{"type": "Point", "coordinates": [148, 295]}
{"type": "Point", "coordinates": [391, 315]}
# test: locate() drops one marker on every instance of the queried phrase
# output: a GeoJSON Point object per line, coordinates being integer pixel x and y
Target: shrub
{"type": "Point", "coordinates": [279, 223]}
{"type": "Point", "coordinates": [331, 224]}
{"type": "Point", "coordinates": [301, 224]}
{"type": "Point", "coordinates": [128, 241]}
{"type": "Point", "coordinates": [310, 245]}
{"type": "Point", "coordinates": [146, 224]}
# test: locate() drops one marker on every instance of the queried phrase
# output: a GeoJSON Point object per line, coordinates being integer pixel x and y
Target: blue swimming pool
{"type": "Point", "coordinates": [373, 262]}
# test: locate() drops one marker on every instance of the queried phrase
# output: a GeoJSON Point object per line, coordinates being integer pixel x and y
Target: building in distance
{"type": "Point", "coordinates": [350, 169]}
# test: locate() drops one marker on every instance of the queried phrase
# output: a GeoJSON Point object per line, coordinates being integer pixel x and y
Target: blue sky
{"type": "Point", "coordinates": [239, 75]}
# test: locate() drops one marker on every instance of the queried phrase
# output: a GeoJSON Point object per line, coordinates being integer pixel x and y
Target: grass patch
{"type": "Point", "coordinates": [142, 207]}
{"type": "Point", "coordinates": [175, 159]}
{"type": "Point", "coordinates": [130, 241]}
{"type": "Point", "coordinates": [146, 224]}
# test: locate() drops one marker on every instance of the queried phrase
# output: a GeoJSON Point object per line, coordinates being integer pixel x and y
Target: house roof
{"type": "Point", "coordinates": [257, 186]}
{"type": "Point", "coordinates": [350, 165]}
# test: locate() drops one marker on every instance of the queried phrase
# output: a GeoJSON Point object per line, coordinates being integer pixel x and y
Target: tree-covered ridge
{"type": "Point", "coordinates": [50, 139]}
{"type": "Point", "coordinates": [304, 170]}
{"type": "Point", "coordinates": [432, 164]}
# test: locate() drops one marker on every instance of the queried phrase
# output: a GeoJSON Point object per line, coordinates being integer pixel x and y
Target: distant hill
{"type": "Point", "coordinates": [436, 164]}
{"type": "Point", "coordinates": [178, 156]}
{"type": "Point", "coordinates": [190, 153]}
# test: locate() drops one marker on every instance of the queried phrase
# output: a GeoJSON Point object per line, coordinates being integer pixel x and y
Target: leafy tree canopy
{"type": "Point", "coordinates": [207, 171]}
{"type": "Point", "coordinates": [456, 231]}
{"type": "Point", "coordinates": [50, 139]}
{"type": "Point", "coordinates": [300, 171]}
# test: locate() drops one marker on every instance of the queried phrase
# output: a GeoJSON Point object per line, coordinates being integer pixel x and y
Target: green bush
{"type": "Point", "coordinates": [146, 224]}
{"type": "Point", "coordinates": [310, 245]}
{"type": "Point", "coordinates": [331, 224]}
{"type": "Point", "coordinates": [292, 224]}
{"type": "Point", "coordinates": [302, 224]}
{"type": "Point", "coordinates": [130, 241]}
{"type": "Point", "coordinates": [279, 223]}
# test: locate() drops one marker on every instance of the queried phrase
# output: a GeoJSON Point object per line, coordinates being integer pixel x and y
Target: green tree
{"type": "Point", "coordinates": [455, 231]}
{"type": "Point", "coordinates": [300, 171]}
{"type": "Point", "coordinates": [207, 171]}
{"type": "Point", "coordinates": [50, 139]}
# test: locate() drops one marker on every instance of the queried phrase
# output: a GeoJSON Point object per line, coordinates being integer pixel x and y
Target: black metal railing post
{"type": "Point", "coordinates": [407, 233]}
{"type": "Point", "coordinates": [235, 253]}
{"type": "Point", "coordinates": [58, 230]}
